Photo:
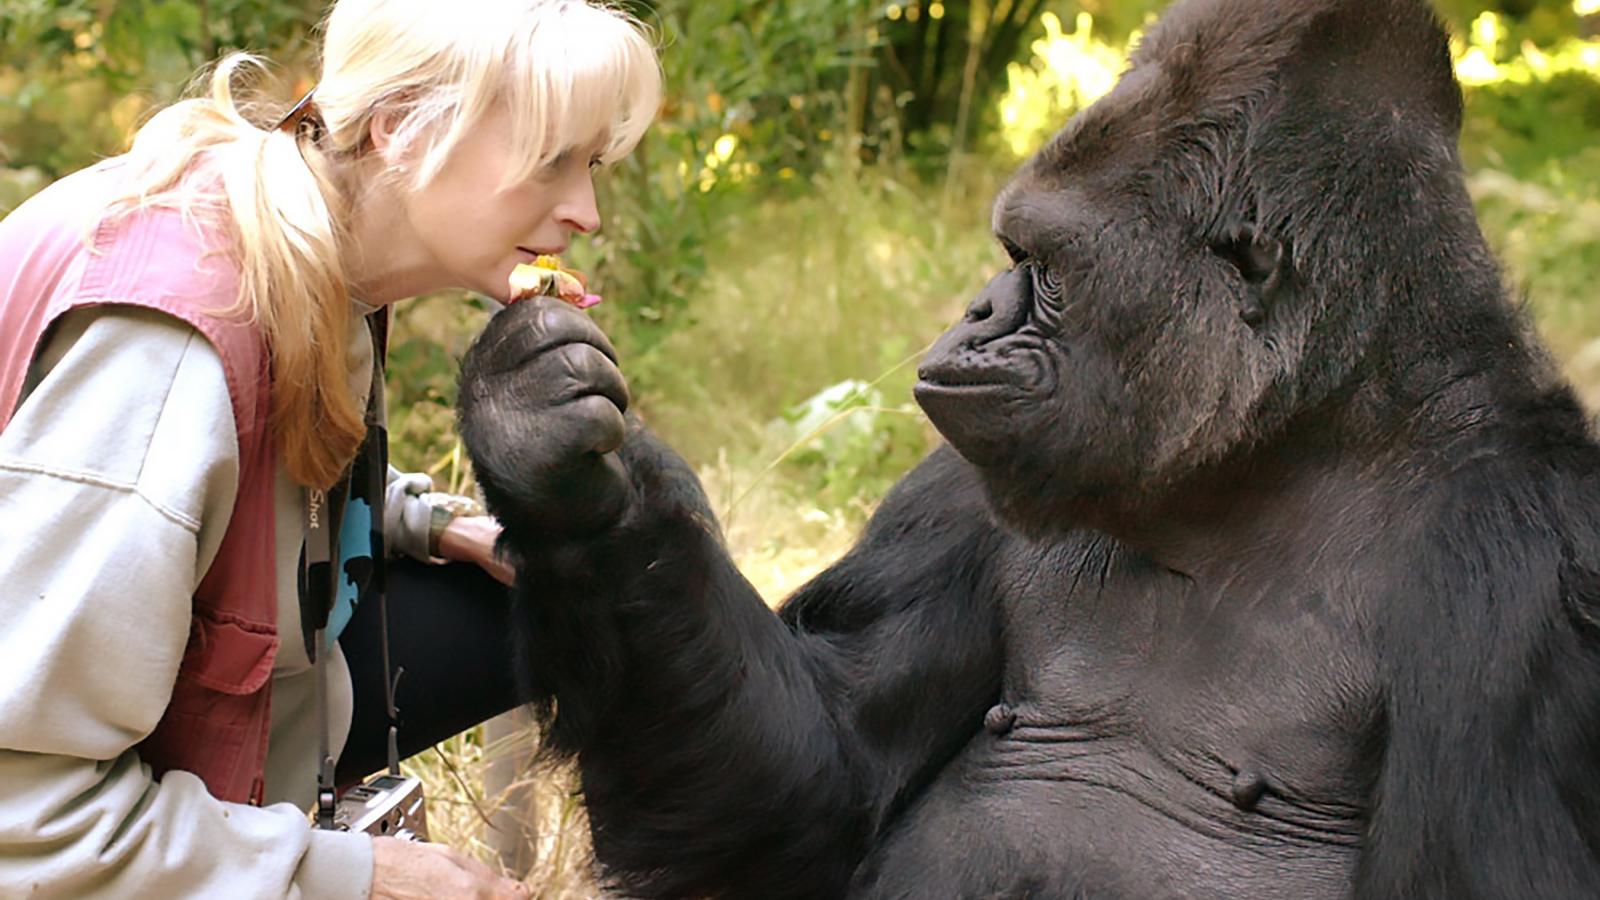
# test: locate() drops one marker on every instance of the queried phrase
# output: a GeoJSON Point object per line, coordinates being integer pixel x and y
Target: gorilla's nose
{"type": "Point", "coordinates": [1000, 309]}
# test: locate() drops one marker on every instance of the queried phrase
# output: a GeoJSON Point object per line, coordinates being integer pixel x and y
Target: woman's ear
{"type": "Point", "coordinates": [381, 129]}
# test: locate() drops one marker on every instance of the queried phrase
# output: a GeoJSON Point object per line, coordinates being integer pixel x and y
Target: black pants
{"type": "Point", "coordinates": [449, 631]}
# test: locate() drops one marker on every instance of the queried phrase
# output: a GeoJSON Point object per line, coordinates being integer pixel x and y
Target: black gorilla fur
{"type": "Point", "coordinates": [1269, 565]}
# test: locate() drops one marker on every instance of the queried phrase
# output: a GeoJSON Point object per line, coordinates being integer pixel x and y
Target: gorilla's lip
{"type": "Point", "coordinates": [969, 393]}
{"type": "Point", "coordinates": [925, 387]}
{"type": "Point", "coordinates": [957, 377]}
{"type": "Point", "coordinates": [971, 414]}
{"type": "Point", "coordinates": [962, 376]}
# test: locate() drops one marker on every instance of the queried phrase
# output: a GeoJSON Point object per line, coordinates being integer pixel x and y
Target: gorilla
{"type": "Point", "coordinates": [1262, 559]}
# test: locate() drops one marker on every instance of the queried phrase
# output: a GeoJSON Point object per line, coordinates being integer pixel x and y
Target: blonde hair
{"type": "Point", "coordinates": [573, 73]}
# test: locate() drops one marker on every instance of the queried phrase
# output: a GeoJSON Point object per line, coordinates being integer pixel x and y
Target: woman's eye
{"type": "Point", "coordinates": [596, 162]}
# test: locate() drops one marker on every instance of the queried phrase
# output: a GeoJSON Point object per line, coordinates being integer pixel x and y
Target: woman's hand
{"type": "Point", "coordinates": [471, 539]}
{"type": "Point", "coordinates": [404, 870]}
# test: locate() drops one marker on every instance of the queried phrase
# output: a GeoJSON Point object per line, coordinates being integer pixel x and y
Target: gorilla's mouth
{"type": "Point", "coordinates": [973, 406]}
{"type": "Point", "coordinates": [965, 379]}
{"type": "Point", "coordinates": [980, 397]}
{"type": "Point", "coordinates": [1017, 372]}
{"type": "Point", "coordinates": [967, 387]}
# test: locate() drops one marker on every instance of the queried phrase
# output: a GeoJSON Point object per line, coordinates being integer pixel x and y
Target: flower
{"type": "Point", "coordinates": [545, 277]}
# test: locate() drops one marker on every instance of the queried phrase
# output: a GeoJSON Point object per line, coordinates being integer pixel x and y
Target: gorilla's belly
{"type": "Point", "coordinates": [1038, 814]}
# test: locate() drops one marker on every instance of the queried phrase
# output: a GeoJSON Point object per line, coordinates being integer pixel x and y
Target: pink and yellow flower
{"type": "Point", "coordinates": [546, 277]}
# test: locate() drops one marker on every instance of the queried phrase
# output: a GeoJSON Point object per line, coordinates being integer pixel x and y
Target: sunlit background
{"type": "Point", "coordinates": [808, 214]}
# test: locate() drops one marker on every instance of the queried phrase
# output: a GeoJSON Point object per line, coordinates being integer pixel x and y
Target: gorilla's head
{"type": "Point", "coordinates": [1263, 216]}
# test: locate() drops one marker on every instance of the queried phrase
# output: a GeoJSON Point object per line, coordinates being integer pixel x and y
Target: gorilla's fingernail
{"type": "Point", "coordinates": [1000, 719]}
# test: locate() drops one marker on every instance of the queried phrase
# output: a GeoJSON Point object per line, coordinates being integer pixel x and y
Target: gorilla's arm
{"type": "Point", "coordinates": [732, 752]}
{"type": "Point", "coordinates": [1492, 717]}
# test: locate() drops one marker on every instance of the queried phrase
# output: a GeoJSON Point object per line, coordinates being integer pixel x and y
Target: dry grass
{"type": "Point", "coordinates": [531, 827]}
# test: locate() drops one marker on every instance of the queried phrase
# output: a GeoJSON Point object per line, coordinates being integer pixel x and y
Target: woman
{"type": "Point", "coordinates": [185, 366]}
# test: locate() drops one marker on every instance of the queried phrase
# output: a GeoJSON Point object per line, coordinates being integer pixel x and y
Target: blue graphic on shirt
{"type": "Point", "coordinates": [355, 561]}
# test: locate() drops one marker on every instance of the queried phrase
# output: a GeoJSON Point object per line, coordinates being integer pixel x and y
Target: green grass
{"type": "Point", "coordinates": [842, 283]}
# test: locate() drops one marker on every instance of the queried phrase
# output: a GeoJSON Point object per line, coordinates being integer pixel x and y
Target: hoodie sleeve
{"type": "Point", "coordinates": [117, 478]}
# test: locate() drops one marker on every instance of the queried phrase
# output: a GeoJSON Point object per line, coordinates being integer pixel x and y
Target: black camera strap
{"type": "Point", "coordinates": [320, 587]}
{"type": "Point", "coordinates": [322, 573]}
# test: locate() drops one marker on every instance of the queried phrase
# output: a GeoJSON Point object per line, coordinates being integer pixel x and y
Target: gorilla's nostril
{"type": "Point", "coordinates": [980, 309]}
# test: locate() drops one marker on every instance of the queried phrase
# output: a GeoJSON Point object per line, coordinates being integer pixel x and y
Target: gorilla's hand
{"type": "Point", "coordinates": [541, 415]}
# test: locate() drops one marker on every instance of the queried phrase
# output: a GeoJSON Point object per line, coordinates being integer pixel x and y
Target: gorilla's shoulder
{"type": "Point", "coordinates": [1517, 516]}
{"type": "Point", "coordinates": [932, 537]}
{"type": "Point", "coordinates": [942, 493]}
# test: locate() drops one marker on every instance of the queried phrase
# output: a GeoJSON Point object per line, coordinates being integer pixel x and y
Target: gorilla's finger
{"type": "Point", "coordinates": [551, 380]}
{"type": "Point", "coordinates": [584, 370]}
{"type": "Point", "coordinates": [563, 319]}
{"type": "Point", "coordinates": [527, 329]}
{"type": "Point", "coordinates": [598, 425]}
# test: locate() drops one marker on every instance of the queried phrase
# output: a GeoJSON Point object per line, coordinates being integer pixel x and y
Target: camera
{"type": "Point", "coordinates": [387, 805]}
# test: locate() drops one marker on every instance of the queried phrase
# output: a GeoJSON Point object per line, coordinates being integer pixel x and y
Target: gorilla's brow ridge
{"type": "Point", "coordinates": [1017, 217]}
{"type": "Point", "coordinates": [1041, 225]}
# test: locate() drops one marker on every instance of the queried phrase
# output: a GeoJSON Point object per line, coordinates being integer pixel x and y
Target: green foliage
{"type": "Point", "coordinates": [745, 112]}
{"type": "Point", "coordinates": [139, 41]}
{"type": "Point", "coordinates": [1065, 72]}
{"type": "Point", "coordinates": [17, 185]}
{"type": "Point", "coordinates": [1544, 130]}
{"type": "Point", "coordinates": [1549, 239]}
{"type": "Point", "coordinates": [427, 338]}
{"type": "Point", "coordinates": [78, 75]}
{"type": "Point", "coordinates": [1542, 21]}
{"type": "Point", "coordinates": [845, 281]}
{"type": "Point", "coordinates": [1532, 144]}
{"type": "Point", "coordinates": [847, 443]}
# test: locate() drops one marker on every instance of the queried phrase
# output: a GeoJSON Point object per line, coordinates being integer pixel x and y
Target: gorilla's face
{"type": "Point", "coordinates": [1173, 267]}
{"type": "Point", "coordinates": [1079, 364]}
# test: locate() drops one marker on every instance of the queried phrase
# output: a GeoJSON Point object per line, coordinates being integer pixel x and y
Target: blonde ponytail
{"type": "Point", "coordinates": [272, 192]}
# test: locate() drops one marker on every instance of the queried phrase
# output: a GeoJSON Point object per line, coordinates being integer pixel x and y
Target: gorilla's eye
{"type": "Point", "coordinates": [1017, 254]}
{"type": "Point", "coordinates": [1045, 281]}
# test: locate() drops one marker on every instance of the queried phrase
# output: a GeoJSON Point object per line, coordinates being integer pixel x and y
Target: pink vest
{"type": "Point", "coordinates": [217, 723]}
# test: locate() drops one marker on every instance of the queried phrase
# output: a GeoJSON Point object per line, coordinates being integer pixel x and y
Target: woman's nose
{"type": "Point", "coordinates": [578, 210]}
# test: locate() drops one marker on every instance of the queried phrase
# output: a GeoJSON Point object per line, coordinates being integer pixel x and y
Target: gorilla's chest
{"type": "Point", "coordinates": [1170, 738]}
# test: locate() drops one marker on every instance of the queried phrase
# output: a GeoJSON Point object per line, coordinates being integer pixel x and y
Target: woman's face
{"type": "Point", "coordinates": [475, 231]}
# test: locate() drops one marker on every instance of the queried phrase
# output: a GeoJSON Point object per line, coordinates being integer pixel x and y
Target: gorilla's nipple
{"type": "Point", "coordinates": [1248, 788]}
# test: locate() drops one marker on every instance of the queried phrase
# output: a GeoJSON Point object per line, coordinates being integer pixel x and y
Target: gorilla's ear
{"type": "Point", "coordinates": [1261, 261]}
